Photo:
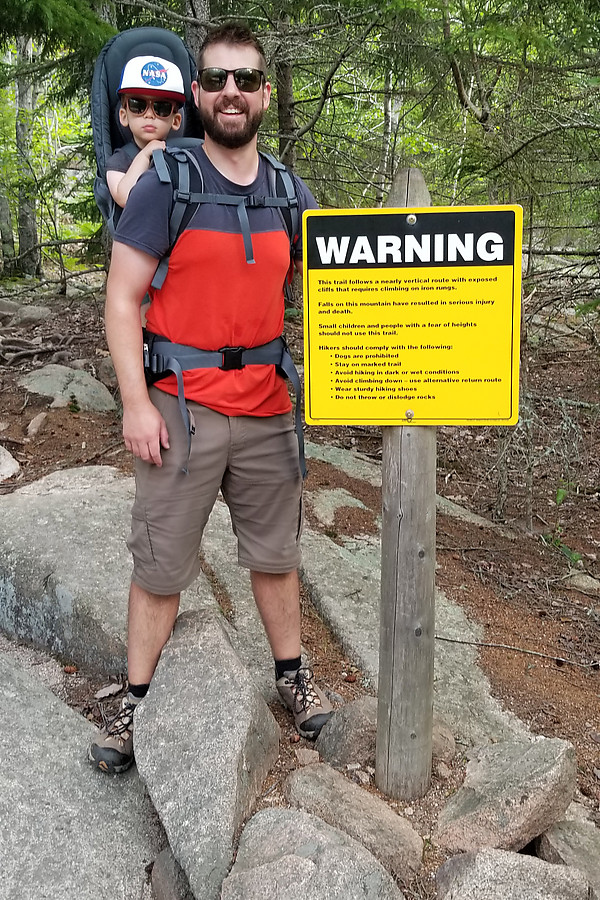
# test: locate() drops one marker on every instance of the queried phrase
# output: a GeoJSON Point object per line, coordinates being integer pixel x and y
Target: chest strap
{"type": "Point", "coordinates": [162, 357]}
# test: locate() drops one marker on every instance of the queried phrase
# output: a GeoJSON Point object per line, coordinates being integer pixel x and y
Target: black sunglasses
{"type": "Point", "coordinates": [138, 106]}
{"type": "Point", "coordinates": [214, 79]}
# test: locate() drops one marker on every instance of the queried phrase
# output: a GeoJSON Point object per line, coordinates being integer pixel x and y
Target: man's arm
{"type": "Point", "coordinates": [131, 272]}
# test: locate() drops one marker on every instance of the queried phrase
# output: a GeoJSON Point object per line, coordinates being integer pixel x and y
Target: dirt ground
{"type": "Point", "coordinates": [541, 479]}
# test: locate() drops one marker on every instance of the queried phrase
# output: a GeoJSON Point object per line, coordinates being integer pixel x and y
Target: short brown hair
{"type": "Point", "coordinates": [232, 33]}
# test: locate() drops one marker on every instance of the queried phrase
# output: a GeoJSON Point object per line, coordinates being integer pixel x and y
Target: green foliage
{"type": "Point", "coordinates": [56, 25]}
{"type": "Point", "coordinates": [554, 538]}
{"type": "Point", "coordinates": [494, 100]}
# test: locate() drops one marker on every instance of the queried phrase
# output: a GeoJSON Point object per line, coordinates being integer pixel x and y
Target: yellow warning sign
{"type": "Point", "coordinates": [412, 316]}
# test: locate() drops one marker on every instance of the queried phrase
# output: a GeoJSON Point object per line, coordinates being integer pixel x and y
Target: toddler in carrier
{"type": "Point", "coordinates": [151, 93]}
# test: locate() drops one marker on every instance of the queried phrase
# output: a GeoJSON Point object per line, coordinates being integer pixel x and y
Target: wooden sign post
{"type": "Point", "coordinates": [411, 320]}
{"type": "Point", "coordinates": [407, 615]}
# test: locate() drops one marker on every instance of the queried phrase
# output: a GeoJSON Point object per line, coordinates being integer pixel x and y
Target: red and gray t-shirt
{"type": "Point", "coordinates": [212, 297]}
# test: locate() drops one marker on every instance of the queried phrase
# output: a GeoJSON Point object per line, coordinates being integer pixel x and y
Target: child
{"type": "Point", "coordinates": [151, 92]}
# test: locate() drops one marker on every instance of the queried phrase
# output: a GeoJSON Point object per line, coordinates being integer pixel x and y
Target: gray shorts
{"type": "Point", "coordinates": [253, 461]}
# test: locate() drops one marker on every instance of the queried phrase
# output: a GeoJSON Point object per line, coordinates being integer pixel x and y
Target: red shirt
{"type": "Point", "coordinates": [212, 297]}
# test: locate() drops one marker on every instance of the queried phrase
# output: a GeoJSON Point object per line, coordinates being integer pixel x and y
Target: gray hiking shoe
{"type": "Point", "coordinates": [310, 706]}
{"type": "Point", "coordinates": [112, 750]}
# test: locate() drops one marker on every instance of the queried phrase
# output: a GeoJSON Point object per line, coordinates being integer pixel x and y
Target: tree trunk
{"type": "Point", "coordinates": [6, 234]}
{"type": "Point", "coordinates": [29, 254]}
{"type": "Point", "coordinates": [385, 139]}
{"type": "Point", "coordinates": [285, 112]}
{"type": "Point", "coordinates": [197, 31]}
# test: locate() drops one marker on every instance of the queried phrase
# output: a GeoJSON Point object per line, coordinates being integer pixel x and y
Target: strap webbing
{"type": "Point", "coordinates": [183, 197]}
{"type": "Point", "coordinates": [162, 356]}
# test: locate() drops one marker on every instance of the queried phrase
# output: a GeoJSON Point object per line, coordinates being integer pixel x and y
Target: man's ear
{"type": "Point", "coordinates": [196, 92]}
{"type": "Point", "coordinates": [123, 117]}
{"type": "Point", "coordinates": [266, 94]}
{"type": "Point", "coordinates": [176, 124]}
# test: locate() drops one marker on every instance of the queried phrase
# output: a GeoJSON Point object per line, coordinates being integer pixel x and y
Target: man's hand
{"type": "Point", "coordinates": [145, 432]}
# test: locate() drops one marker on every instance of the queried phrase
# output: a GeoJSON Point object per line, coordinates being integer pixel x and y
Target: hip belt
{"type": "Point", "coordinates": [163, 357]}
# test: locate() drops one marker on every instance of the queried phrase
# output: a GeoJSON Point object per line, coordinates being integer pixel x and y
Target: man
{"type": "Point", "coordinates": [243, 439]}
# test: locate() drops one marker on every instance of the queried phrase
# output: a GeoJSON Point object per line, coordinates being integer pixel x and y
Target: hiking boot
{"type": "Point", "coordinates": [310, 706]}
{"type": "Point", "coordinates": [112, 750]}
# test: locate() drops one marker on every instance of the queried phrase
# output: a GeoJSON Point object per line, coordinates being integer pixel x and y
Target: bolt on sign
{"type": "Point", "coordinates": [412, 315]}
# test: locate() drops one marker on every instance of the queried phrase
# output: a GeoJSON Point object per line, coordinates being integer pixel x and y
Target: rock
{"type": "Point", "coordinates": [59, 537]}
{"type": "Point", "coordinates": [325, 793]}
{"type": "Point", "coordinates": [219, 548]}
{"type": "Point", "coordinates": [36, 424]}
{"type": "Point", "coordinates": [61, 357]}
{"type": "Point", "coordinates": [575, 844]}
{"type": "Point", "coordinates": [62, 383]}
{"type": "Point", "coordinates": [168, 878]}
{"type": "Point", "coordinates": [578, 812]}
{"type": "Point", "coordinates": [442, 771]}
{"type": "Point", "coordinates": [65, 568]}
{"type": "Point", "coordinates": [325, 503]}
{"type": "Point", "coordinates": [8, 464]}
{"type": "Point", "coordinates": [31, 315]}
{"type": "Point", "coordinates": [499, 874]}
{"type": "Point", "coordinates": [291, 855]}
{"type": "Point", "coordinates": [343, 583]}
{"type": "Point", "coordinates": [350, 735]}
{"type": "Point", "coordinates": [582, 582]}
{"type": "Point", "coordinates": [307, 757]}
{"type": "Point", "coordinates": [351, 463]}
{"type": "Point", "coordinates": [205, 726]}
{"type": "Point", "coordinates": [67, 832]}
{"type": "Point", "coordinates": [348, 602]}
{"type": "Point", "coordinates": [443, 745]}
{"type": "Point", "coordinates": [513, 791]}
{"type": "Point", "coordinates": [360, 777]}
{"type": "Point", "coordinates": [106, 373]}
{"type": "Point", "coordinates": [8, 308]}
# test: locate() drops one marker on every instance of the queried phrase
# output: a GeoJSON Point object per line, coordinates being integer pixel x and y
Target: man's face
{"type": "Point", "coordinates": [231, 117]}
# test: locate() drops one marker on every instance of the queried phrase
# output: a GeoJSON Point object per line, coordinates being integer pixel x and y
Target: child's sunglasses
{"type": "Point", "coordinates": [138, 106]}
{"type": "Point", "coordinates": [214, 79]}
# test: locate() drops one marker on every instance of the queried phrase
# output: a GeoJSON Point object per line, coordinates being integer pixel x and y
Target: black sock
{"type": "Point", "coordinates": [286, 665]}
{"type": "Point", "coordinates": [138, 690]}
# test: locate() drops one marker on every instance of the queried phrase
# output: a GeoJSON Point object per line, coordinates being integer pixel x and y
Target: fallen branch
{"type": "Point", "coordinates": [559, 660]}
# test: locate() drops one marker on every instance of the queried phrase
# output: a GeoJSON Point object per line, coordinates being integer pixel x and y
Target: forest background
{"type": "Point", "coordinates": [495, 101]}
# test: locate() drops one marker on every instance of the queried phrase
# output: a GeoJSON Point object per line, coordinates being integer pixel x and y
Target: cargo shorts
{"type": "Point", "coordinates": [252, 460]}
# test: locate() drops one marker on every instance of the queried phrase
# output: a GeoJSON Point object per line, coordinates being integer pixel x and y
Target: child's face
{"type": "Point", "coordinates": [147, 125]}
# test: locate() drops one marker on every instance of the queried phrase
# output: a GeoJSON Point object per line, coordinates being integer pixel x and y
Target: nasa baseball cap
{"type": "Point", "coordinates": [152, 76]}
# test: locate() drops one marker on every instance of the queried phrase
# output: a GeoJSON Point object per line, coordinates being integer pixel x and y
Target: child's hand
{"type": "Point", "coordinates": [152, 146]}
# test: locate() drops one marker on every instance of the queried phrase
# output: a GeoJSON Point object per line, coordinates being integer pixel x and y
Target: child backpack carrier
{"type": "Point", "coordinates": [173, 166]}
{"type": "Point", "coordinates": [179, 167]}
{"type": "Point", "coordinates": [108, 133]}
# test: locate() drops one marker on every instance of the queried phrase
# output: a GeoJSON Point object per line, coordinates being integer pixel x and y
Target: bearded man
{"type": "Point", "coordinates": [239, 437]}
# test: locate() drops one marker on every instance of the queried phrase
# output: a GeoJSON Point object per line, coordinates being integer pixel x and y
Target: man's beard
{"type": "Point", "coordinates": [234, 138]}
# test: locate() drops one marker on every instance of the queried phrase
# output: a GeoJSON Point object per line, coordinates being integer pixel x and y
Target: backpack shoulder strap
{"type": "Point", "coordinates": [282, 186]}
{"type": "Point", "coordinates": [173, 166]}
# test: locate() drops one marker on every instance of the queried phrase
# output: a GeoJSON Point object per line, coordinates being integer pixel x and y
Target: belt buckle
{"type": "Point", "coordinates": [232, 358]}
